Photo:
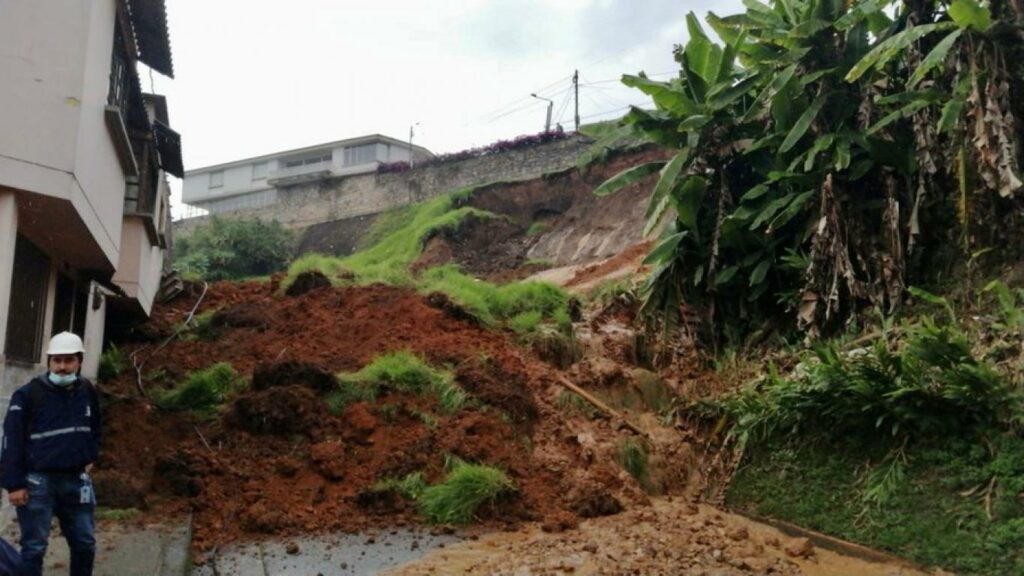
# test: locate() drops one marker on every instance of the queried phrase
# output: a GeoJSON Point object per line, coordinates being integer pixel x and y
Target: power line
{"type": "Point", "coordinates": [541, 91]}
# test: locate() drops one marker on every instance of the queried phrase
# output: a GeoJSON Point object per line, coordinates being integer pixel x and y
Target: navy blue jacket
{"type": "Point", "coordinates": [49, 428]}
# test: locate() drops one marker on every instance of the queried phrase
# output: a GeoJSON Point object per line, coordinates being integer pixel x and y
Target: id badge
{"type": "Point", "coordinates": [85, 492]}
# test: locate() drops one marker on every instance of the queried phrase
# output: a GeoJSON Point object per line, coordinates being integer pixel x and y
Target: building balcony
{"type": "Point", "coordinates": [312, 172]}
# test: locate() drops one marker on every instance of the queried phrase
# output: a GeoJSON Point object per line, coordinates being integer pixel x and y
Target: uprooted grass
{"type": "Point", "coordinates": [401, 372]}
{"type": "Point", "coordinates": [523, 306]}
{"type": "Point", "coordinates": [202, 391]}
{"type": "Point", "coordinates": [410, 486]}
{"type": "Point", "coordinates": [464, 490]}
{"type": "Point", "coordinates": [632, 456]}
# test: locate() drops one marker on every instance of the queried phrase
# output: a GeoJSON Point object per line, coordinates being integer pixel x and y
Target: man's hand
{"type": "Point", "coordinates": [18, 497]}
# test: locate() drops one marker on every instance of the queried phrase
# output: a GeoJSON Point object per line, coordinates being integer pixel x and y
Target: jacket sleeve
{"type": "Point", "coordinates": [97, 419]}
{"type": "Point", "coordinates": [12, 458]}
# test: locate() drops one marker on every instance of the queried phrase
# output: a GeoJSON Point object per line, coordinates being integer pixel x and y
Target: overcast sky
{"type": "Point", "coordinates": [260, 76]}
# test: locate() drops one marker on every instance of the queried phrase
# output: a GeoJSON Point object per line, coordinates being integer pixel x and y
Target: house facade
{"type": "Point", "coordinates": [84, 153]}
{"type": "Point", "coordinates": [258, 182]}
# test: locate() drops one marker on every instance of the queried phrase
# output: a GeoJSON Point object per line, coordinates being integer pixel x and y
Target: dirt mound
{"type": "Point", "coordinates": [280, 410]}
{"type": "Point", "coordinates": [306, 282]}
{"type": "Point", "coordinates": [488, 382]}
{"type": "Point", "coordinates": [291, 372]}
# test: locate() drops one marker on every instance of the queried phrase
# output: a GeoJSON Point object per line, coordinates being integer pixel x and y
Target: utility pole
{"type": "Point", "coordinates": [576, 89]}
{"type": "Point", "coordinates": [551, 104]}
{"type": "Point", "coordinates": [412, 155]}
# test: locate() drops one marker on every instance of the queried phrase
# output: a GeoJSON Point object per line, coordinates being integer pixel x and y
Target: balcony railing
{"type": "Point", "coordinates": [300, 173]}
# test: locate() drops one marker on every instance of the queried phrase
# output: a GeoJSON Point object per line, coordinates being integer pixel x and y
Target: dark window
{"type": "Point", "coordinates": [28, 302]}
{"type": "Point", "coordinates": [81, 306]}
{"type": "Point", "coordinates": [63, 304]}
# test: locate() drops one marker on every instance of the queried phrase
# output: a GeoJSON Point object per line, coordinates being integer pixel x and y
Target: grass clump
{"type": "Point", "coordinates": [402, 372]}
{"type": "Point", "coordinates": [573, 403]}
{"type": "Point", "coordinates": [522, 306]}
{"type": "Point", "coordinates": [203, 391]}
{"type": "Point", "coordinates": [410, 486]}
{"type": "Point", "coordinates": [465, 488]}
{"type": "Point", "coordinates": [632, 456]}
{"type": "Point", "coordinates": [112, 363]}
{"type": "Point", "coordinates": [332, 268]}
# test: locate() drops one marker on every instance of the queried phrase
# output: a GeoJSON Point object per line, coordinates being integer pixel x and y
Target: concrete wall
{"type": "Point", "coordinates": [141, 264]}
{"type": "Point", "coordinates": [306, 205]}
{"type": "Point", "coordinates": [97, 168]}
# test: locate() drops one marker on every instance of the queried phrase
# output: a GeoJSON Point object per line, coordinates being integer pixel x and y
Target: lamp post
{"type": "Point", "coordinates": [412, 155]}
{"type": "Point", "coordinates": [551, 104]}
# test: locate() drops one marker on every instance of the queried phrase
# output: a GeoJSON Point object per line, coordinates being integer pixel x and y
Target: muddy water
{"type": "Point", "coordinates": [667, 538]}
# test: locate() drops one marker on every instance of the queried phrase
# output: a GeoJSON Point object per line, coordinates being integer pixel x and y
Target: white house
{"type": "Point", "coordinates": [257, 182]}
{"type": "Point", "coordinates": [84, 217]}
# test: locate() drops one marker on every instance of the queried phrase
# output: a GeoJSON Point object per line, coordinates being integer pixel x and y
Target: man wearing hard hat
{"type": "Point", "coordinates": [51, 439]}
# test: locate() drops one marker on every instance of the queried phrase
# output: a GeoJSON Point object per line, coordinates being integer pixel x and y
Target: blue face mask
{"type": "Point", "coordinates": [62, 379]}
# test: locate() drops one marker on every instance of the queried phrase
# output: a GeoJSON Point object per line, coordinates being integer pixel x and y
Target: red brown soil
{"type": "Point", "coordinates": [274, 460]}
{"type": "Point", "coordinates": [629, 258]}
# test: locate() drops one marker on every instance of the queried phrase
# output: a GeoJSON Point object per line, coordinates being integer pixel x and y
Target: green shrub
{"type": "Point", "coordinates": [402, 372]}
{"type": "Point", "coordinates": [233, 249]}
{"type": "Point", "coordinates": [112, 363]}
{"type": "Point", "coordinates": [202, 391]}
{"type": "Point", "coordinates": [465, 488]}
{"type": "Point", "coordinates": [632, 456]}
{"type": "Point", "coordinates": [932, 385]}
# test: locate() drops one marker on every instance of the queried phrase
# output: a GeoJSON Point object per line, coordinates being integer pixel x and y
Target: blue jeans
{"type": "Point", "coordinates": [62, 495]}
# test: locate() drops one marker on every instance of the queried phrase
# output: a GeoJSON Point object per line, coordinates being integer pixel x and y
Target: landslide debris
{"type": "Point", "coordinates": [275, 459]}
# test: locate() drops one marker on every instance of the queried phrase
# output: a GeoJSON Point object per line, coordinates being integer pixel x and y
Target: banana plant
{"type": "Point", "coordinates": [801, 162]}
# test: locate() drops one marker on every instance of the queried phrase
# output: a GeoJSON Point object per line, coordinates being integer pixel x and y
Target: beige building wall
{"type": "Point", "coordinates": [55, 65]}
{"type": "Point", "coordinates": [141, 265]}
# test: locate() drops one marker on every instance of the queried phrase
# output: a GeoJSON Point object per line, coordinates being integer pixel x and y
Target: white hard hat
{"type": "Point", "coordinates": [65, 343]}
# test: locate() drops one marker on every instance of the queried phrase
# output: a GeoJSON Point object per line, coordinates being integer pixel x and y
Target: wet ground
{"type": "Point", "coordinates": [330, 555]}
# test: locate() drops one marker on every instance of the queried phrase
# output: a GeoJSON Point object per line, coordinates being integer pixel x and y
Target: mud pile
{"type": "Point", "coordinates": [275, 460]}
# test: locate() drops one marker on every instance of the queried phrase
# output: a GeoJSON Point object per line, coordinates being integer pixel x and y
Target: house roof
{"type": "Point", "coordinates": [297, 151]}
{"type": "Point", "coordinates": [149, 21]}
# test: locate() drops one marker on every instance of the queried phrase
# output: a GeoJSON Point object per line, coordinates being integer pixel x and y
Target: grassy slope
{"type": "Point", "coordinates": [928, 519]}
{"type": "Point", "coordinates": [396, 241]}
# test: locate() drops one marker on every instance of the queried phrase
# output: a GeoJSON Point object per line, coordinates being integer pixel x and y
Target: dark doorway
{"type": "Point", "coordinates": [28, 302]}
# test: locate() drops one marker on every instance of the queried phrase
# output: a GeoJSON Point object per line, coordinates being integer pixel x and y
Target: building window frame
{"type": "Point", "coordinates": [217, 179]}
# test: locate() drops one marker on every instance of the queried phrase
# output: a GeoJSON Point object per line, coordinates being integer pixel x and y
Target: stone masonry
{"type": "Point", "coordinates": [305, 205]}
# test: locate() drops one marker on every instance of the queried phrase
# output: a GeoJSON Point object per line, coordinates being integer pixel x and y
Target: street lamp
{"type": "Point", "coordinates": [551, 104]}
{"type": "Point", "coordinates": [412, 155]}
